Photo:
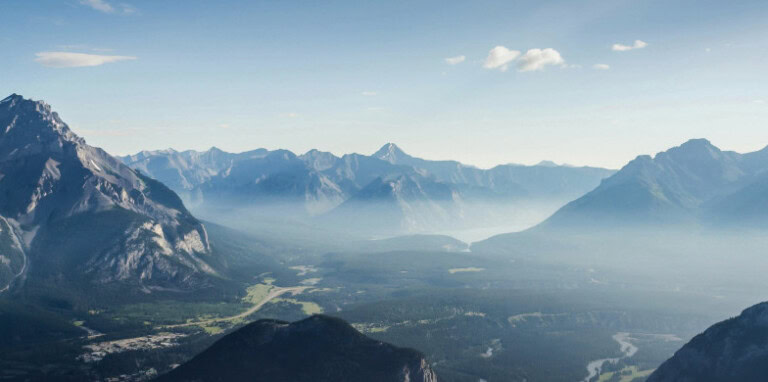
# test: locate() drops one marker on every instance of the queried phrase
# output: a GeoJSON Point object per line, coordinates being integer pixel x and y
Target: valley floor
{"type": "Point", "coordinates": [475, 317]}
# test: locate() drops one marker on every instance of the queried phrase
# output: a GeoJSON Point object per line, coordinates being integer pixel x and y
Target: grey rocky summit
{"type": "Point", "coordinates": [74, 211]}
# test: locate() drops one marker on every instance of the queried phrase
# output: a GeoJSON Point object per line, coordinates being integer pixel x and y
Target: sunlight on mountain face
{"type": "Point", "coordinates": [383, 191]}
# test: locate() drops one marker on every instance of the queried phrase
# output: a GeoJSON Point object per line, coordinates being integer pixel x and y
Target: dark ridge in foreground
{"type": "Point", "coordinates": [732, 350]}
{"type": "Point", "coordinates": [318, 348]}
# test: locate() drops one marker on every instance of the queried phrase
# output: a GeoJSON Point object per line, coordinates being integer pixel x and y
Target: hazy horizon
{"type": "Point", "coordinates": [502, 83]}
{"type": "Point", "coordinates": [502, 190]}
{"type": "Point", "coordinates": [407, 151]}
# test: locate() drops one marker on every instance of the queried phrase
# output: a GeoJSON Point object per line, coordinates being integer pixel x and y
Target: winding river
{"type": "Point", "coordinates": [627, 348]}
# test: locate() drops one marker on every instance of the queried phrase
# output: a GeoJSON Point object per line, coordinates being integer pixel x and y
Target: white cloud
{"type": "Point", "coordinates": [455, 60]}
{"type": "Point", "coordinates": [129, 9]}
{"type": "Point", "coordinates": [368, 93]}
{"type": "Point", "coordinates": [500, 57]}
{"type": "Point", "coordinates": [601, 66]}
{"type": "Point", "coordinates": [638, 44]}
{"type": "Point", "coordinates": [289, 115]}
{"type": "Point", "coordinates": [103, 6]}
{"type": "Point", "coordinates": [99, 5]}
{"type": "Point", "coordinates": [73, 60]}
{"type": "Point", "coordinates": [537, 59]}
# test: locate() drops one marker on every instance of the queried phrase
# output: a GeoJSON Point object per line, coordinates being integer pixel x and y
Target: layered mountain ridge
{"type": "Point", "coordinates": [694, 183]}
{"type": "Point", "coordinates": [346, 190]}
{"type": "Point", "coordinates": [687, 191]}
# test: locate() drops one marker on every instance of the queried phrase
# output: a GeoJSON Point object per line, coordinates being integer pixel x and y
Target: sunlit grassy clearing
{"type": "Point", "coordinates": [628, 374]}
{"type": "Point", "coordinates": [309, 308]}
{"type": "Point", "coordinates": [257, 293]}
{"type": "Point", "coordinates": [469, 269]}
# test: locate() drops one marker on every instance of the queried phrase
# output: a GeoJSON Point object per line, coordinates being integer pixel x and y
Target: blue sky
{"type": "Point", "coordinates": [348, 76]}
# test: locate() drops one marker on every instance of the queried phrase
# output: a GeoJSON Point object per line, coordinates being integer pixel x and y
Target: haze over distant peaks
{"type": "Point", "coordinates": [695, 182]}
{"type": "Point", "coordinates": [317, 183]}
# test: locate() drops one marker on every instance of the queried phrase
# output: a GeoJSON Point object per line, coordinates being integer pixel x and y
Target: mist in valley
{"type": "Point", "coordinates": [393, 191]}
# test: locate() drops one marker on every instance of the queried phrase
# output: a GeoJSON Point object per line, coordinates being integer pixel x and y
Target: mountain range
{"type": "Point", "coordinates": [318, 348]}
{"type": "Point", "coordinates": [694, 183]}
{"type": "Point", "coordinates": [72, 214]}
{"type": "Point", "coordinates": [687, 190]}
{"type": "Point", "coordinates": [388, 191]}
{"type": "Point", "coordinates": [732, 350]}
{"type": "Point", "coordinates": [79, 228]}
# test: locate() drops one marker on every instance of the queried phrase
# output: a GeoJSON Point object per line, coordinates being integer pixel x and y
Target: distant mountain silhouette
{"type": "Point", "coordinates": [319, 183]}
{"type": "Point", "coordinates": [695, 183]}
{"type": "Point", "coordinates": [316, 349]}
{"type": "Point", "coordinates": [687, 190]}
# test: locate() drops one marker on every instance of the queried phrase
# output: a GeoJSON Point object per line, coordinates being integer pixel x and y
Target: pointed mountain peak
{"type": "Point", "coordinates": [390, 153]}
{"type": "Point", "coordinates": [694, 149]}
{"type": "Point", "coordinates": [12, 98]}
{"type": "Point", "coordinates": [36, 116]}
{"type": "Point", "coordinates": [698, 143]}
{"type": "Point", "coordinates": [15, 101]}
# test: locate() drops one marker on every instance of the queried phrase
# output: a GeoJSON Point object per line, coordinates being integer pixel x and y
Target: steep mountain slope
{"type": "Point", "coordinates": [746, 207]}
{"type": "Point", "coordinates": [680, 186]}
{"type": "Point", "coordinates": [319, 348]}
{"type": "Point", "coordinates": [732, 350]}
{"type": "Point", "coordinates": [78, 214]}
{"type": "Point", "coordinates": [653, 204]}
{"type": "Point", "coordinates": [13, 261]}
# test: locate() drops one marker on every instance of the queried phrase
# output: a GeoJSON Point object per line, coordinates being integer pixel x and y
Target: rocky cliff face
{"type": "Point", "coordinates": [319, 348]}
{"type": "Point", "coordinates": [732, 350]}
{"type": "Point", "coordinates": [77, 212]}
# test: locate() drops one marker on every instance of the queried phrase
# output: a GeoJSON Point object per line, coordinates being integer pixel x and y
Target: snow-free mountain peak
{"type": "Point", "coordinates": [39, 118]}
{"type": "Point", "coordinates": [103, 221]}
{"type": "Point", "coordinates": [391, 153]}
{"type": "Point", "coordinates": [547, 163]}
{"type": "Point", "coordinates": [11, 98]}
{"type": "Point", "coordinates": [688, 184]}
